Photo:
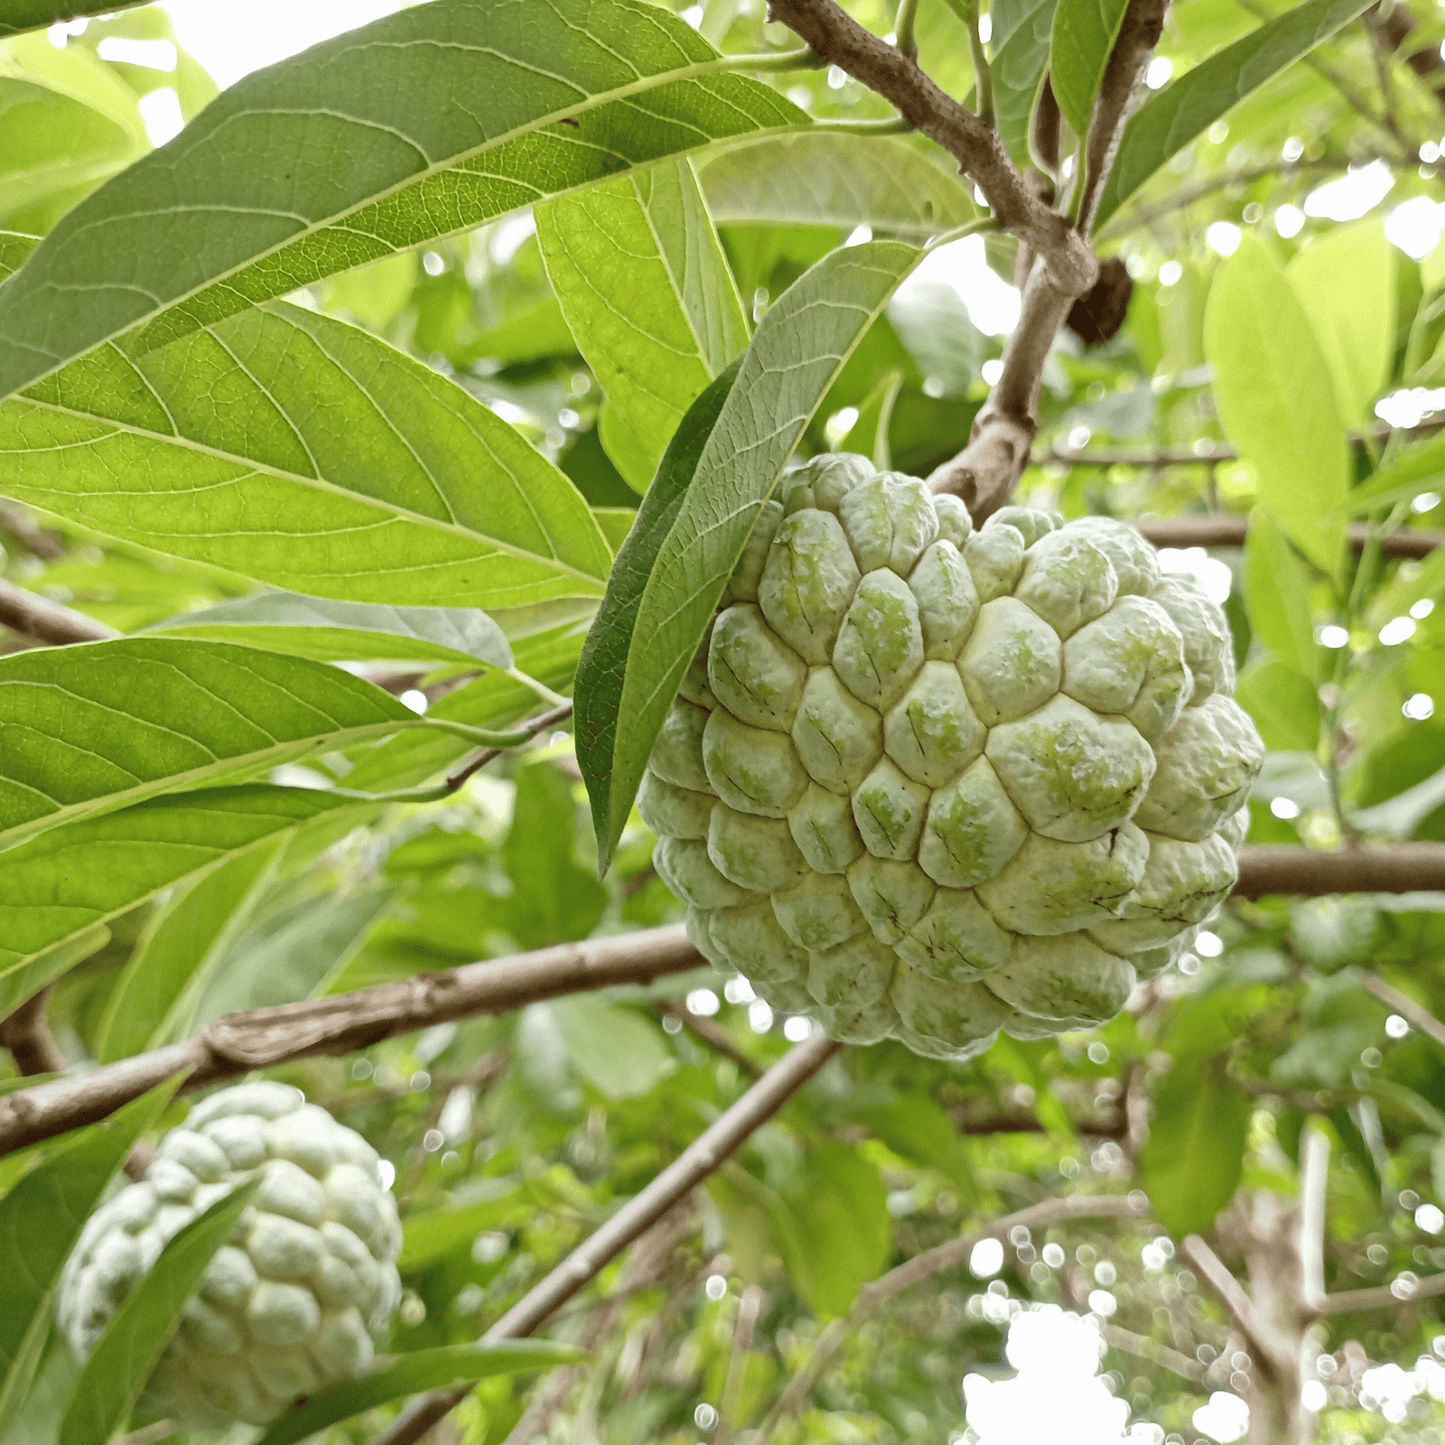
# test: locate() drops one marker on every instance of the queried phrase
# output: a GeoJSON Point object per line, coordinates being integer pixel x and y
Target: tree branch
{"type": "Point", "coordinates": [1266, 868]}
{"type": "Point", "coordinates": [27, 1035]}
{"type": "Point", "coordinates": [924, 1266]}
{"type": "Point", "coordinates": [36, 540]}
{"type": "Point", "coordinates": [1314, 1185]}
{"type": "Point", "coordinates": [711, 1034]}
{"type": "Point", "coordinates": [837, 39]}
{"type": "Point", "coordinates": [1145, 1348]}
{"type": "Point", "coordinates": [1383, 1298]}
{"type": "Point", "coordinates": [700, 1159]}
{"type": "Point", "coordinates": [750, 1306]}
{"type": "Point", "coordinates": [41, 620]}
{"type": "Point", "coordinates": [1264, 1340]}
{"type": "Point", "coordinates": [1413, 1013]}
{"type": "Point", "coordinates": [1226, 531]}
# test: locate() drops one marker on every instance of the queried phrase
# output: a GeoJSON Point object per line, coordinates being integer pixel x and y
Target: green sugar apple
{"type": "Point", "coordinates": [291, 1303]}
{"type": "Point", "coordinates": [929, 782]}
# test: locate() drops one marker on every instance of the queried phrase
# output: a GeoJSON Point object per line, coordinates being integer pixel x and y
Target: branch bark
{"type": "Point", "coordinates": [701, 1158]}
{"type": "Point", "coordinates": [1266, 868]}
{"type": "Point", "coordinates": [925, 1266]}
{"type": "Point", "coordinates": [1231, 1294]}
{"type": "Point", "coordinates": [42, 620]}
{"type": "Point", "coordinates": [27, 1035]}
{"type": "Point", "coordinates": [1413, 1013]}
{"type": "Point", "coordinates": [1227, 531]}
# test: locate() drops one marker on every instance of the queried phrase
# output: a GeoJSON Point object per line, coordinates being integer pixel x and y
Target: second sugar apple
{"type": "Point", "coordinates": [931, 782]}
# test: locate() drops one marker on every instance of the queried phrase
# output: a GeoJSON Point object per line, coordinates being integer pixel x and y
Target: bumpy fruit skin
{"type": "Point", "coordinates": [292, 1301]}
{"type": "Point", "coordinates": [932, 783]}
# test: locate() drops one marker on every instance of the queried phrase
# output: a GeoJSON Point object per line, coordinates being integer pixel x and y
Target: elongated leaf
{"type": "Point", "coordinates": [834, 180]}
{"type": "Point", "coordinates": [412, 1373]}
{"type": "Point", "coordinates": [348, 631]}
{"type": "Point", "coordinates": [1084, 34]}
{"type": "Point", "coordinates": [1345, 280]}
{"type": "Point", "coordinates": [1022, 31]}
{"type": "Point", "coordinates": [1191, 1162]}
{"type": "Point", "coordinates": [432, 1234]}
{"type": "Point", "coordinates": [21, 15]}
{"type": "Point", "coordinates": [26, 981]}
{"type": "Point", "coordinates": [644, 285]}
{"type": "Point", "coordinates": [616, 1050]}
{"type": "Point", "coordinates": [113, 1377]}
{"type": "Point", "coordinates": [304, 453]}
{"type": "Point", "coordinates": [798, 351]}
{"type": "Point", "coordinates": [55, 886]}
{"type": "Point", "coordinates": [182, 945]}
{"type": "Point", "coordinates": [1283, 702]}
{"type": "Point", "coordinates": [448, 114]}
{"type": "Point", "coordinates": [40, 1220]}
{"type": "Point", "coordinates": [869, 434]}
{"type": "Point", "coordinates": [94, 728]}
{"type": "Point", "coordinates": [602, 668]}
{"type": "Point", "coordinates": [1417, 469]}
{"type": "Point", "coordinates": [1277, 401]}
{"type": "Point", "coordinates": [1277, 596]}
{"type": "Point", "coordinates": [1167, 122]}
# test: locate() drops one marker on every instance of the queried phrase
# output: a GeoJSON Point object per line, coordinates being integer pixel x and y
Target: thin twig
{"type": "Point", "coordinates": [1383, 1298]}
{"type": "Point", "coordinates": [1145, 1348]}
{"type": "Point", "coordinates": [924, 1266]}
{"type": "Point", "coordinates": [700, 1159]}
{"type": "Point", "coordinates": [709, 1032]}
{"type": "Point", "coordinates": [35, 540]}
{"type": "Point", "coordinates": [1262, 1337]}
{"type": "Point", "coordinates": [750, 1306]}
{"type": "Point", "coordinates": [483, 756]}
{"type": "Point", "coordinates": [42, 620]}
{"type": "Point", "coordinates": [1222, 530]}
{"type": "Point", "coordinates": [1314, 1184]}
{"type": "Point", "coordinates": [1416, 1015]}
{"type": "Point", "coordinates": [27, 1035]}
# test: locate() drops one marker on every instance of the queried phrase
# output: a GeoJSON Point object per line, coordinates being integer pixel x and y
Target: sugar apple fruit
{"type": "Point", "coordinates": [930, 783]}
{"type": "Point", "coordinates": [292, 1301]}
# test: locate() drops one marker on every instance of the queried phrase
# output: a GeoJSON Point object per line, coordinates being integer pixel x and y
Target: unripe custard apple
{"type": "Point", "coordinates": [291, 1302]}
{"type": "Point", "coordinates": [930, 782]}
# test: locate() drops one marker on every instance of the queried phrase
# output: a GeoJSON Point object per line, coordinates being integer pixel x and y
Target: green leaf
{"type": "Point", "coordinates": [283, 446]}
{"type": "Point", "coordinates": [153, 1001]}
{"type": "Point", "coordinates": [98, 727]}
{"type": "Point", "coordinates": [23, 15]}
{"type": "Point", "coordinates": [112, 1379]}
{"type": "Point", "coordinates": [1345, 280]}
{"type": "Point", "coordinates": [1283, 702]}
{"type": "Point", "coordinates": [1167, 122]}
{"type": "Point", "coordinates": [798, 351]}
{"type": "Point", "coordinates": [26, 981]}
{"type": "Point", "coordinates": [1277, 596]}
{"type": "Point", "coordinates": [1416, 469]}
{"type": "Point", "coordinates": [40, 1220]}
{"type": "Point", "coordinates": [834, 180]}
{"type": "Point", "coordinates": [869, 434]}
{"type": "Point", "coordinates": [616, 523]}
{"type": "Point", "coordinates": [835, 1232]}
{"type": "Point", "coordinates": [1084, 34]}
{"type": "Point", "coordinates": [1276, 400]}
{"type": "Point", "coordinates": [554, 899]}
{"type": "Point", "coordinates": [615, 1049]}
{"type": "Point", "coordinates": [432, 1234]}
{"type": "Point", "coordinates": [1191, 1162]}
{"type": "Point", "coordinates": [410, 1374]}
{"type": "Point", "coordinates": [644, 285]}
{"type": "Point", "coordinates": [601, 669]}
{"type": "Point", "coordinates": [348, 631]}
{"type": "Point", "coordinates": [56, 886]}
{"type": "Point", "coordinates": [249, 202]}
{"type": "Point", "coordinates": [1022, 31]}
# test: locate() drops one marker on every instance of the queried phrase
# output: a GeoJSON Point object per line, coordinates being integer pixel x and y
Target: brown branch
{"type": "Point", "coordinates": [483, 756]}
{"type": "Point", "coordinates": [1383, 1298]}
{"type": "Point", "coordinates": [711, 1034]}
{"type": "Point", "coordinates": [1266, 868]}
{"type": "Point", "coordinates": [1393, 26]}
{"type": "Point", "coordinates": [700, 1159]}
{"type": "Point", "coordinates": [1145, 1348]}
{"type": "Point", "coordinates": [27, 1035]}
{"type": "Point", "coordinates": [927, 1265]}
{"type": "Point", "coordinates": [837, 39]}
{"type": "Point", "coordinates": [1262, 1337]}
{"type": "Point", "coordinates": [42, 620]}
{"type": "Point", "coordinates": [342, 1023]}
{"type": "Point", "coordinates": [1413, 1013]}
{"type": "Point", "coordinates": [1227, 531]}
{"type": "Point", "coordinates": [750, 1306]}
{"type": "Point", "coordinates": [35, 540]}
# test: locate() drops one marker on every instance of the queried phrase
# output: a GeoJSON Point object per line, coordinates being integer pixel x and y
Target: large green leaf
{"type": "Point", "coordinates": [798, 351]}
{"type": "Point", "coordinates": [1345, 280]}
{"type": "Point", "coordinates": [153, 1001]}
{"type": "Point", "coordinates": [348, 631]}
{"type": "Point", "coordinates": [97, 727]}
{"type": "Point", "coordinates": [1191, 1162]}
{"type": "Point", "coordinates": [1277, 401]}
{"type": "Point", "coordinates": [602, 668]}
{"type": "Point", "coordinates": [447, 114]}
{"type": "Point", "coordinates": [615, 1049]}
{"type": "Point", "coordinates": [40, 1220]}
{"type": "Point", "coordinates": [1277, 596]}
{"type": "Point", "coordinates": [1283, 702]}
{"type": "Point", "coordinates": [286, 447]}
{"type": "Point", "coordinates": [1022, 32]}
{"type": "Point", "coordinates": [112, 1379]}
{"type": "Point", "coordinates": [70, 878]}
{"type": "Point", "coordinates": [1083, 35]}
{"type": "Point", "coordinates": [39, 14]}
{"type": "Point", "coordinates": [645, 287]}
{"type": "Point", "coordinates": [32, 976]}
{"type": "Point", "coordinates": [883, 182]}
{"type": "Point", "coordinates": [410, 1374]}
{"type": "Point", "coordinates": [1167, 122]}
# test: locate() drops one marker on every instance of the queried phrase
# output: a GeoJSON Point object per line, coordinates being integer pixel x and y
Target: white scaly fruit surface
{"type": "Point", "coordinates": [292, 1301]}
{"type": "Point", "coordinates": [932, 783]}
